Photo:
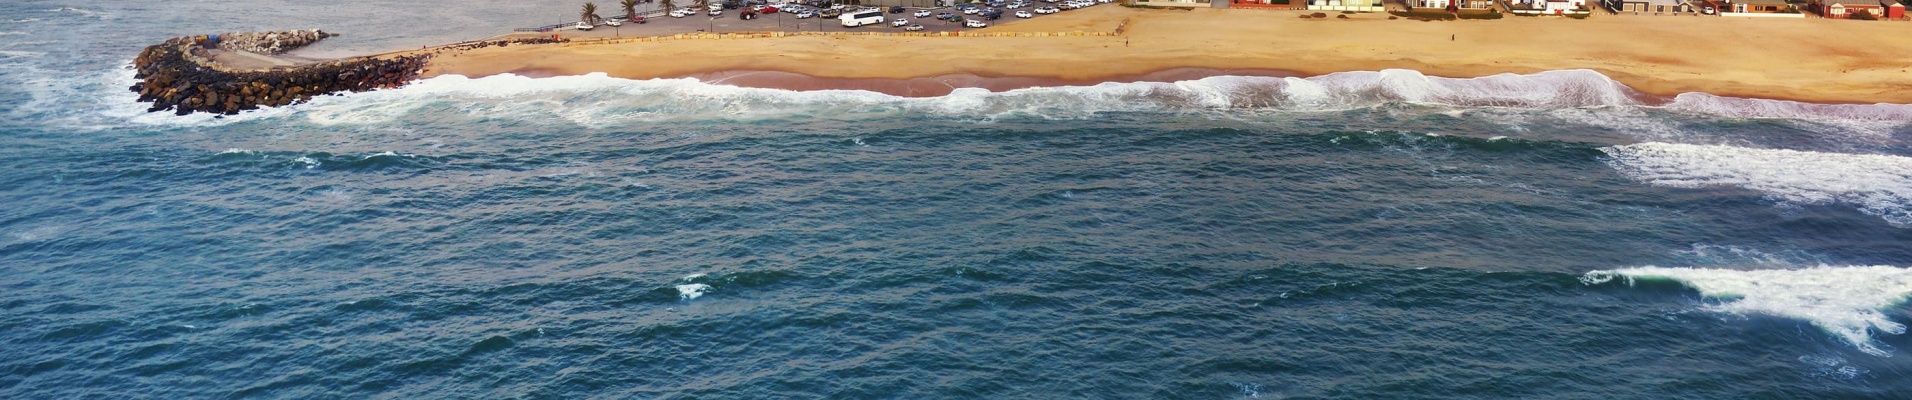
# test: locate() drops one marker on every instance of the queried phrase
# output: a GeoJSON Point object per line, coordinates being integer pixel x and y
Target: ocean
{"type": "Point", "coordinates": [1381, 234]}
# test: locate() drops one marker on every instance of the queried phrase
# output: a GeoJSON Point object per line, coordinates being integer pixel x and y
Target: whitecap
{"type": "Point", "coordinates": [1845, 301]}
{"type": "Point", "coordinates": [691, 291]}
{"type": "Point", "coordinates": [1879, 185]}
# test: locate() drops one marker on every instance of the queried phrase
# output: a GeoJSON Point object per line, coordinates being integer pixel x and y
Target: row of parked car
{"type": "Point", "coordinates": [860, 16]}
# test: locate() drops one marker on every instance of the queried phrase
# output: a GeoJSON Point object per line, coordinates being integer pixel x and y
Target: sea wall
{"type": "Point", "coordinates": [179, 76]}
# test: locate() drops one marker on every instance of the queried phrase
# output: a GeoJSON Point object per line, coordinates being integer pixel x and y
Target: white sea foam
{"type": "Point", "coordinates": [11, 33]}
{"type": "Point", "coordinates": [597, 100]}
{"type": "Point", "coordinates": [1735, 107]}
{"type": "Point", "coordinates": [1879, 185]}
{"type": "Point", "coordinates": [1845, 301]}
{"type": "Point", "coordinates": [691, 291]}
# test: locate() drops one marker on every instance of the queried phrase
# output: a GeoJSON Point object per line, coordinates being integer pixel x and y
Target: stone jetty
{"type": "Point", "coordinates": [274, 43]}
{"type": "Point", "coordinates": [181, 76]}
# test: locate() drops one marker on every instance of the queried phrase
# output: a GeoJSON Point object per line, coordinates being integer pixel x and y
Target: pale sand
{"type": "Point", "coordinates": [1814, 60]}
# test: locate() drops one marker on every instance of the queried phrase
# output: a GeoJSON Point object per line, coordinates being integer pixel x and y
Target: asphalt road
{"type": "Point", "coordinates": [781, 21]}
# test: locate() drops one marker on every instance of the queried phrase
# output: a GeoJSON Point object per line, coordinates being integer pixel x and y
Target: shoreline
{"type": "Point", "coordinates": [941, 85]}
{"type": "Point", "coordinates": [1745, 57]}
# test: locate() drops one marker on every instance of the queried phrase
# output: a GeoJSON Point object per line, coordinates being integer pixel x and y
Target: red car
{"type": "Point", "coordinates": [766, 9]}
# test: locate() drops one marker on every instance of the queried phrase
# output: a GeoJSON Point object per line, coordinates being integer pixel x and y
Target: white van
{"type": "Point", "coordinates": [862, 18]}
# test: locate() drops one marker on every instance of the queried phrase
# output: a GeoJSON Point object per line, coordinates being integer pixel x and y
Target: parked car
{"type": "Point", "coordinates": [922, 13]}
{"type": "Point", "coordinates": [899, 22]}
{"type": "Point", "coordinates": [716, 12]}
{"type": "Point", "coordinates": [806, 14]}
{"type": "Point", "coordinates": [913, 28]}
{"type": "Point", "coordinates": [975, 24]}
{"type": "Point", "coordinates": [896, 9]}
{"type": "Point", "coordinates": [1047, 10]}
{"type": "Point", "coordinates": [766, 9]}
{"type": "Point", "coordinates": [972, 11]}
{"type": "Point", "coordinates": [584, 26]}
{"type": "Point", "coordinates": [613, 22]}
{"type": "Point", "coordinates": [945, 16]}
{"type": "Point", "coordinates": [1024, 14]}
{"type": "Point", "coordinates": [679, 14]}
{"type": "Point", "coordinates": [831, 13]}
{"type": "Point", "coordinates": [638, 19]}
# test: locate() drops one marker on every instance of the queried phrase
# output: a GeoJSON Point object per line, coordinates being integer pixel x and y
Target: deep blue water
{"type": "Point", "coordinates": [1359, 235]}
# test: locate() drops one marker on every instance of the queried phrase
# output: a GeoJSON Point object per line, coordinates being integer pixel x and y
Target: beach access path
{"type": "Point", "coordinates": [1742, 57]}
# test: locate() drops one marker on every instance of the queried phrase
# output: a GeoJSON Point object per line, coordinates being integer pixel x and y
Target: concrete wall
{"type": "Point", "coordinates": [1762, 15]}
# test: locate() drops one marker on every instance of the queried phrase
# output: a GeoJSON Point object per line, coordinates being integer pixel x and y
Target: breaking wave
{"type": "Point", "coordinates": [1879, 185]}
{"type": "Point", "coordinates": [598, 100]}
{"type": "Point", "coordinates": [1843, 300]}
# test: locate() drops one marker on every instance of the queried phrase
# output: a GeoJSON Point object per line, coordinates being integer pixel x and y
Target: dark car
{"type": "Point", "coordinates": [945, 16]}
{"type": "Point", "coordinates": [732, 5]}
{"type": "Point", "coordinates": [896, 9]}
{"type": "Point", "coordinates": [829, 13]}
{"type": "Point", "coordinates": [992, 14]}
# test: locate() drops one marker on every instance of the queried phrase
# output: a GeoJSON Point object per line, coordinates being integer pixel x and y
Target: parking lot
{"type": "Point", "coordinates": [658, 24]}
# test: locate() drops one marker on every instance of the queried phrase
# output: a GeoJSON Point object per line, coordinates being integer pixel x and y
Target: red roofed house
{"type": "Point", "coordinates": [1843, 9]}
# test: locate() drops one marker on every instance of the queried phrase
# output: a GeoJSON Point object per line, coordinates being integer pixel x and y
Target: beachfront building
{"type": "Point", "coordinates": [1657, 6]}
{"type": "Point", "coordinates": [1846, 9]}
{"type": "Point", "coordinates": [1442, 4]}
{"type": "Point", "coordinates": [1550, 7]}
{"type": "Point", "coordinates": [1760, 6]}
{"type": "Point", "coordinates": [1347, 5]}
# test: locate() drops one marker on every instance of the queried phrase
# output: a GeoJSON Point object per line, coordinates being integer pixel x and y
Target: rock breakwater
{"type": "Point", "coordinates": [274, 42]}
{"type": "Point", "coordinates": [180, 76]}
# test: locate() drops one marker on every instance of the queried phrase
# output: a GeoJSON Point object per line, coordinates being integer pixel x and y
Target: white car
{"type": "Point", "coordinates": [921, 14]}
{"type": "Point", "coordinates": [807, 14]}
{"type": "Point", "coordinates": [716, 12]}
{"type": "Point", "coordinates": [975, 24]}
{"type": "Point", "coordinates": [899, 22]}
{"type": "Point", "coordinates": [1024, 14]}
{"type": "Point", "coordinates": [838, 7]}
{"type": "Point", "coordinates": [680, 13]}
{"type": "Point", "coordinates": [613, 22]}
{"type": "Point", "coordinates": [584, 26]}
{"type": "Point", "coordinates": [913, 28]}
{"type": "Point", "coordinates": [972, 10]}
{"type": "Point", "coordinates": [1047, 10]}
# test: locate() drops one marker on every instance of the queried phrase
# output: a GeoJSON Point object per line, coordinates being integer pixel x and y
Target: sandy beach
{"type": "Point", "coordinates": [1814, 60]}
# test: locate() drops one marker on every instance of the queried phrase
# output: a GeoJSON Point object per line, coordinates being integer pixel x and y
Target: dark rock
{"type": "Point", "coordinates": [173, 77]}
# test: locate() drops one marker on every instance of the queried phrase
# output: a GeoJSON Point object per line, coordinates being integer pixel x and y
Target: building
{"type": "Point", "coordinates": [1844, 9]}
{"type": "Point", "coordinates": [1894, 9]}
{"type": "Point", "coordinates": [1346, 5]}
{"type": "Point", "coordinates": [1658, 6]}
{"type": "Point", "coordinates": [1442, 4]}
{"type": "Point", "coordinates": [1550, 7]}
{"type": "Point", "coordinates": [1759, 6]}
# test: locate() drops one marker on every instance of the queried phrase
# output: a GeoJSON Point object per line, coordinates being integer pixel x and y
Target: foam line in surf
{"type": "Point", "coordinates": [1845, 301]}
{"type": "Point", "coordinates": [1879, 185]}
